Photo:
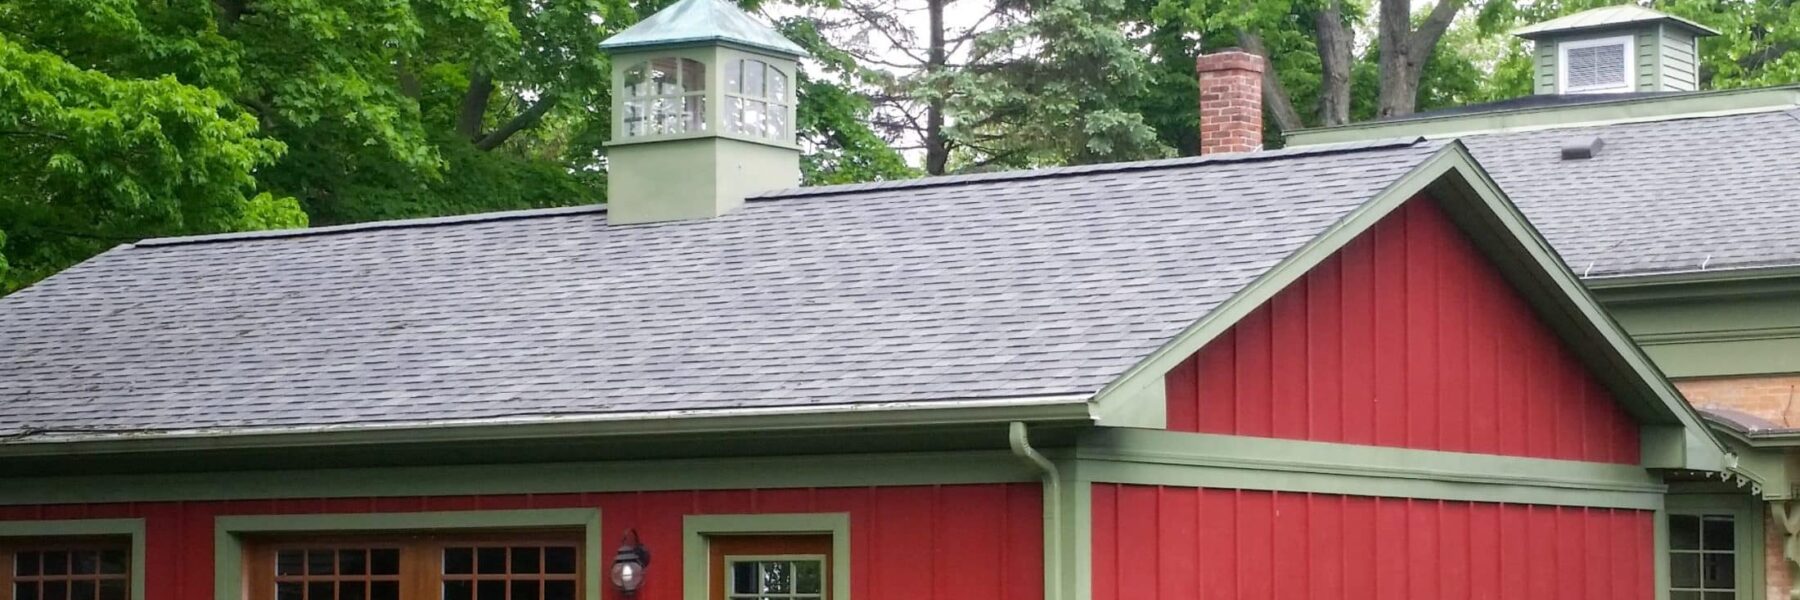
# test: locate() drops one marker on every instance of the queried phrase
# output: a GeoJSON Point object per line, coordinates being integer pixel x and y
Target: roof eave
{"type": "Point", "coordinates": [1067, 408]}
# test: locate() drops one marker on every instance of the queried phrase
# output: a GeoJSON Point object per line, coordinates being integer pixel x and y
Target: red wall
{"type": "Point", "coordinates": [1407, 337]}
{"type": "Point", "coordinates": [1169, 543]}
{"type": "Point", "coordinates": [964, 542]}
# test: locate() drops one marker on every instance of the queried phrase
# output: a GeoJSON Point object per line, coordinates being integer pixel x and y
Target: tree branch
{"type": "Point", "coordinates": [518, 123]}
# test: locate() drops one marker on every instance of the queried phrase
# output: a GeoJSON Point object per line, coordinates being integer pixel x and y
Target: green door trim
{"type": "Point", "coordinates": [229, 531]}
{"type": "Point", "coordinates": [696, 530]}
{"type": "Point", "coordinates": [133, 529]}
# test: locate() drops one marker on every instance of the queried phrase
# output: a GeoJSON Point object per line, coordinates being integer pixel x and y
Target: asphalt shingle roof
{"type": "Point", "coordinates": [1661, 197]}
{"type": "Point", "coordinates": [992, 286]}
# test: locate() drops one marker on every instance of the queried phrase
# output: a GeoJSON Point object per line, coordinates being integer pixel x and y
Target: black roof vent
{"type": "Point", "coordinates": [1582, 148]}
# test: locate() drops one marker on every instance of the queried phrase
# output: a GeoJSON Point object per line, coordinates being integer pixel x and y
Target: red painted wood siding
{"type": "Point", "coordinates": [963, 542]}
{"type": "Point", "coordinates": [1171, 543]}
{"type": "Point", "coordinates": [1407, 337]}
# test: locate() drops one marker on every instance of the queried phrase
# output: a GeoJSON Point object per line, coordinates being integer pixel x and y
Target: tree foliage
{"type": "Point", "coordinates": [93, 161]}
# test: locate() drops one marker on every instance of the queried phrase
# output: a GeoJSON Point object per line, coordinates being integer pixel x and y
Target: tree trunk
{"type": "Point", "coordinates": [937, 149]}
{"type": "Point", "coordinates": [518, 123]}
{"type": "Point", "coordinates": [1275, 96]}
{"type": "Point", "coordinates": [474, 106]}
{"type": "Point", "coordinates": [1404, 52]}
{"type": "Point", "coordinates": [1336, 44]}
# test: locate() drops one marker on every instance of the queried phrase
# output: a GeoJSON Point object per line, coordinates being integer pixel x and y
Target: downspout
{"type": "Point", "coordinates": [1020, 440]}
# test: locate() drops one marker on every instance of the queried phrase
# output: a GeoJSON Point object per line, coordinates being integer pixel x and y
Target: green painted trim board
{"type": "Point", "coordinates": [129, 528]}
{"type": "Point", "coordinates": [228, 550]}
{"type": "Point", "coordinates": [697, 529]}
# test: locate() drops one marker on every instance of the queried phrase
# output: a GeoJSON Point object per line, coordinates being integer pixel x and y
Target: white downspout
{"type": "Point", "coordinates": [1020, 440]}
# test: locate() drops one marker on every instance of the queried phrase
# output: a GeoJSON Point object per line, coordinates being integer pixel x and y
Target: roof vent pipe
{"type": "Point", "coordinates": [1582, 148]}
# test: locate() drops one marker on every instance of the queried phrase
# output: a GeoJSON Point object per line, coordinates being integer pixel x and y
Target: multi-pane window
{"type": "Point", "coordinates": [1702, 562]}
{"type": "Point", "coordinates": [417, 567]}
{"type": "Point", "coordinates": [776, 578]}
{"type": "Point", "coordinates": [352, 573]}
{"type": "Point", "coordinates": [769, 567]}
{"type": "Point", "coordinates": [509, 572]}
{"type": "Point", "coordinates": [665, 96]}
{"type": "Point", "coordinates": [757, 98]}
{"type": "Point", "coordinates": [66, 572]}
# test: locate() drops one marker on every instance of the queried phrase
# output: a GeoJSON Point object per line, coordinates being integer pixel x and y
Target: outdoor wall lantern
{"type": "Point", "coordinates": [629, 564]}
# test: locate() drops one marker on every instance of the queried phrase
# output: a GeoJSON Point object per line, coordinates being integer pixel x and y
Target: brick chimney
{"type": "Point", "coordinates": [1230, 101]}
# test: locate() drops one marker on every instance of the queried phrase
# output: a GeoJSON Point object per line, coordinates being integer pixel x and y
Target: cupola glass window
{"type": "Point", "coordinates": [665, 96]}
{"type": "Point", "coordinates": [756, 100]}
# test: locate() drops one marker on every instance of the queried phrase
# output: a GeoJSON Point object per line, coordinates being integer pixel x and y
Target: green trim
{"type": "Point", "coordinates": [849, 470]}
{"type": "Point", "coordinates": [130, 528]}
{"type": "Point", "coordinates": [1660, 533]}
{"type": "Point", "coordinates": [1747, 519]}
{"type": "Point", "coordinates": [228, 549]}
{"type": "Point", "coordinates": [1657, 108]}
{"type": "Point", "coordinates": [1074, 513]}
{"type": "Point", "coordinates": [1222, 461]}
{"type": "Point", "coordinates": [1070, 409]}
{"type": "Point", "coordinates": [695, 530]}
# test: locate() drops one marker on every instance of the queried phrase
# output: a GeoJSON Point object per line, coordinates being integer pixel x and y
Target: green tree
{"type": "Point", "coordinates": [94, 161]}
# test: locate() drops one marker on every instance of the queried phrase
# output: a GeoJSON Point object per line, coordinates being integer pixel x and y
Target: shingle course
{"type": "Point", "coordinates": [1671, 196]}
{"type": "Point", "coordinates": [987, 287]}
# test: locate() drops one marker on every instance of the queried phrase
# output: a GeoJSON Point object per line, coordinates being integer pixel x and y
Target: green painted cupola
{"type": "Point", "coordinates": [703, 113]}
{"type": "Point", "coordinates": [1615, 49]}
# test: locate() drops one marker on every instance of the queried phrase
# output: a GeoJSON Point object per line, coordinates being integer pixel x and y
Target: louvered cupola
{"type": "Point", "coordinates": [1615, 50]}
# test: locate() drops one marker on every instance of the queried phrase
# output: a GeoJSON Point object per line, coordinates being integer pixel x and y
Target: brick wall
{"type": "Point", "coordinates": [1775, 398]}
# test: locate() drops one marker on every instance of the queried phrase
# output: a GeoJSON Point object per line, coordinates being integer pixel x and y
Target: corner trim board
{"type": "Point", "coordinates": [132, 529]}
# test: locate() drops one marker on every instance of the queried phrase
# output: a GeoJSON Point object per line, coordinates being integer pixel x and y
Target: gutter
{"type": "Point", "coordinates": [1020, 440]}
{"type": "Point", "coordinates": [1051, 408]}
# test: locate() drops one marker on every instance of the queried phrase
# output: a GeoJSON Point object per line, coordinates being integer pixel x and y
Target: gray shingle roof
{"type": "Point", "coordinates": [1662, 197]}
{"type": "Point", "coordinates": [993, 286]}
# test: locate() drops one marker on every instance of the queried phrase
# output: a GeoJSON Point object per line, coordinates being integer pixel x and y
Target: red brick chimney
{"type": "Point", "coordinates": [1230, 101]}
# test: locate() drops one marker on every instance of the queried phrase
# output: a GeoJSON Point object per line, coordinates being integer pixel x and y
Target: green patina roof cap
{"type": "Point", "coordinates": [1608, 17]}
{"type": "Point", "coordinates": [702, 21]}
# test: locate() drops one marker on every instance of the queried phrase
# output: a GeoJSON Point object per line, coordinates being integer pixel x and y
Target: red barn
{"type": "Point", "coordinates": [1336, 372]}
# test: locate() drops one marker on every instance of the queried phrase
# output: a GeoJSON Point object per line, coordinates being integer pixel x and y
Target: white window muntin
{"type": "Point", "coordinates": [1628, 66]}
{"type": "Point", "coordinates": [792, 588]}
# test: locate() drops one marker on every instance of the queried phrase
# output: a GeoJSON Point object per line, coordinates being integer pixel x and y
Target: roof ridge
{"type": "Point", "coordinates": [508, 215]}
{"type": "Point", "coordinates": [1051, 172]}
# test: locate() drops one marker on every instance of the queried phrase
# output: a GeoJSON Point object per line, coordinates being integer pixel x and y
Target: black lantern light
{"type": "Point", "coordinates": [629, 564]}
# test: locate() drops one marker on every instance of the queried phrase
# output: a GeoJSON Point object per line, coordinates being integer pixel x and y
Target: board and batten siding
{"type": "Point", "coordinates": [1174, 543]}
{"type": "Point", "coordinates": [1407, 337]}
{"type": "Point", "coordinates": [950, 542]}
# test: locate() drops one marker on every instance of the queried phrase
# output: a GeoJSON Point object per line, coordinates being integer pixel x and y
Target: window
{"type": "Point", "coordinates": [65, 571]}
{"type": "Point", "coordinates": [665, 96]}
{"type": "Point", "coordinates": [421, 567]}
{"type": "Point", "coordinates": [770, 567]}
{"type": "Point", "coordinates": [756, 100]}
{"type": "Point", "coordinates": [1702, 559]}
{"type": "Point", "coordinates": [1601, 65]}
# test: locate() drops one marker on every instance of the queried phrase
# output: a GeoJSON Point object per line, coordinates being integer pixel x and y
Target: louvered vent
{"type": "Point", "coordinates": [1596, 67]}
